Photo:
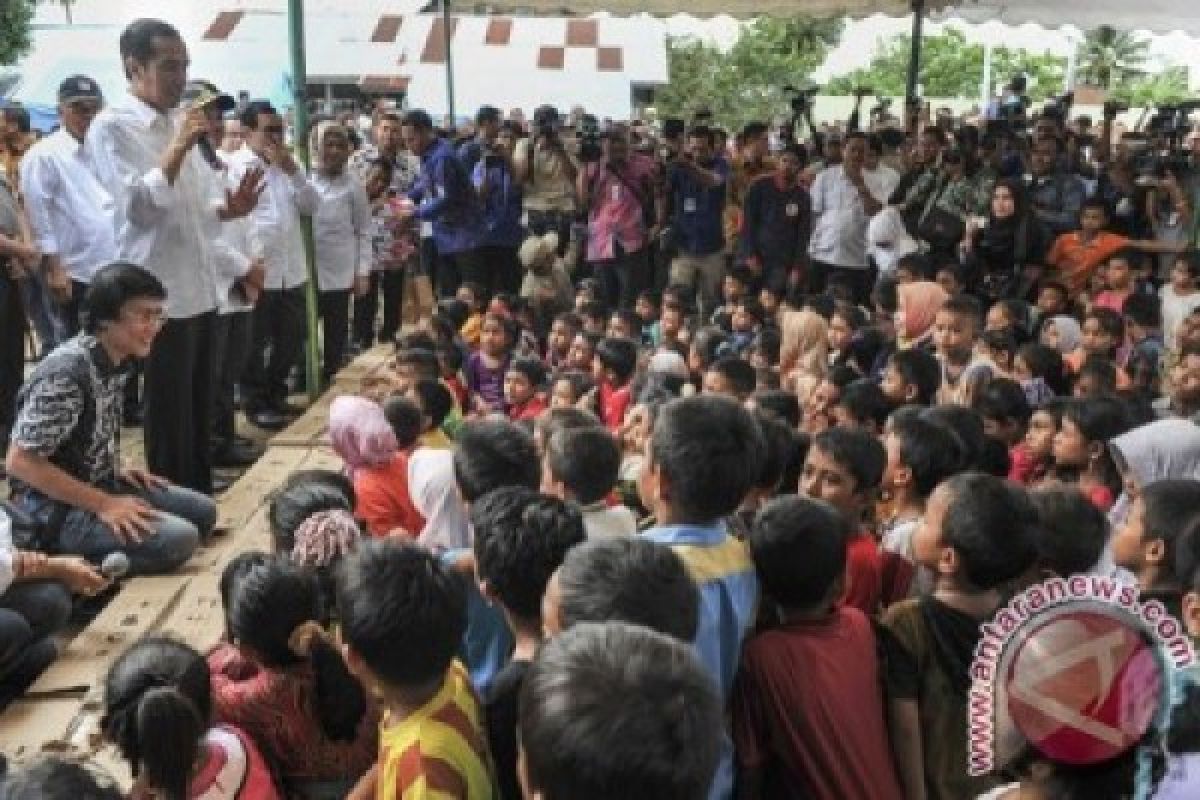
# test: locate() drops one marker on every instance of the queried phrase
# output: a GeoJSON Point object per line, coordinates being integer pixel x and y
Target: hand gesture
{"type": "Point", "coordinates": [144, 479]}
{"type": "Point", "coordinates": [79, 576]}
{"type": "Point", "coordinates": [28, 564]}
{"type": "Point", "coordinates": [256, 276]}
{"type": "Point", "coordinates": [241, 201]}
{"type": "Point", "coordinates": [195, 125]}
{"type": "Point", "coordinates": [130, 519]}
{"type": "Point", "coordinates": [279, 156]}
{"type": "Point", "coordinates": [362, 284]}
{"type": "Point", "coordinates": [58, 282]}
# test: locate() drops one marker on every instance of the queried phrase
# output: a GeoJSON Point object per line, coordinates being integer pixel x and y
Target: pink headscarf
{"type": "Point", "coordinates": [921, 300]}
{"type": "Point", "coordinates": [360, 433]}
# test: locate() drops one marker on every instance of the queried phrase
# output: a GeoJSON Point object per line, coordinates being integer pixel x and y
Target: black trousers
{"type": "Point", "coordinates": [623, 277]}
{"type": "Point", "coordinates": [233, 337]}
{"type": "Point", "coordinates": [72, 310]}
{"type": "Point", "coordinates": [12, 350]}
{"type": "Point", "coordinates": [494, 267]}
{"type": "Point", "coordinates": [333, 307]}
{"type": "Point", "coordinates": [278, 339]}
{"type": "Point", "coordinates": [366, 308]}
{"type": "Point", "coordinates": [860, 282]}
{"type": "Point", "coordinates": [179, 402]}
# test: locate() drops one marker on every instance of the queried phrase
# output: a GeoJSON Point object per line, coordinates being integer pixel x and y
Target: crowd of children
{"type": "Point", "coordinates": [644, 554]}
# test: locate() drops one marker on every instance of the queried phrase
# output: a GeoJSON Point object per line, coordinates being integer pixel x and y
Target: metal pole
{"type": "Point", "coordinates": [446, 38]}
{"type": "Point", "coordinates": [914, 62]}
{"type": "Point", "coordinates": [300, 118]}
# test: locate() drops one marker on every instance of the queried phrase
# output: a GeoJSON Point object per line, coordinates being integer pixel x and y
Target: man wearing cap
{"type": "Point", "coordinates": [70, 212]}
{"type": "Point", "coordinates": [142, 149]}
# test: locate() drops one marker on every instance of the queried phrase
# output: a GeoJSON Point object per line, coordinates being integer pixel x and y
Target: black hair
{"type": "Point", "coordinates": [405, 418]}
{"type": "Point", "coordinates": [964, 305]}
{"type": "Point", "coordinates": [1102, 372]}
{"type": "Point", "coordinates": [992, 526]}
{"type": "Point", "coordinates": [1057, 286]}
{"type": "Point", "coordinates": [1046, 363]}
{"type": "Point", "coordinates": [1110, 323]}
{"type": "Point", "coordinates": [487, 114]}
{"type": "Point", "coordinates": [866, 402]}
{"type": "Point", "coordinates": [450, 357]}
{"type": "Point", "coordinates": [563, 419]}
{"type": "Point", "coordinates": [967, 427]}
{"type": "Point", "coordinates": [628, 579]}
{"type": "Point", "coordinates": [456, 310]}
{"type": "Point", "coordinates": [1187, 554]}
{"type": "Point", "coordinates": [436, 401]}
{"type": "Point", "coordinates": [1143, 310]}
{"type": "Point", "coordinates": [767, 343]}
{"type": "Point", "coordinates": [951, 269]}
{"type": "Point", "coordinates": [18, 115]}
{"type": "Point", "coordinates": [586, 461]}
{"type": "Point", "coordinates": [416, 340]}
{"type": "Point", "coordinates": [842, 376]}
{"type": "Point", "coordinates": [618, 355]}
{"type": "Point", "coordinates": [920, 369]}
{"type": "Point", "coordinates": [112, 287]}
{"type": "Point", "coordinates": [416, 118]}
{"type": "Point", "coordinates": [1100, 419]}
{"type": "Point", "coordinates": [885, 296]}
{"type": "Point", "coordinates": [1003, 399]}
{"type": "Point", "coordinates": [662, 741]}
{"type": "Point", "coordinates": [738, 372]}
{"type": "Point", "coordinates": [532, 368]}
{"type": "Point", "coordinates": [424, 361]}
{"type": "Point", "coordinates": [929, 450]}
{"type": "Point", "coordinates": [781, 403]}
{"type": "Point", "coordinates": [570, 319]}
{"type": "Point", "coordinates": [709, 343]}
{"type": "Point", "coordinates": [253, 110]}
{"type": "Point", "coordinates": [1072, 531]}
{"type": "Point", "coordinates": [302, 495]}
{"type": "Point", "coordinates": [401, 611]}
{"type": "Point", "coordinates": [1001, 341]}
{"type": "Point", "coordinates": [137, 40]}
{"type": "Point", "coordinates": [581, 382]}
{"type": "Point", "coordinates": [521, 537]}
{"type": "Point", "coordinates": [56, 778]}
{"type": "Point", "coordinates": [751, 305]}
{"type": "Point", "coordinates": [1167, 508]}
{"type": "Point", "coordinates": [709, 450]}
{"type": "Point", "coordinates": [858, 451]}
{"type": "Point", "coordinates": [265, 603]}
{"type": "Point", "coordinates": [630, 318]}
{"type": "Point", "coordinates": [492, 453]}
{"type": "Point", "coordinates": [777, 438]}
{"type": "Point", "coordinates": [799, 549]}
{"type": "Point", "coordinates": [157, 708]}
{"type": "Point", "coordinates": [1131, 256]}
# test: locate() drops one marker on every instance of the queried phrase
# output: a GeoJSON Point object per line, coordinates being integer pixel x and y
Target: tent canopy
{"type": "Point", "coordinates": [696, 8]}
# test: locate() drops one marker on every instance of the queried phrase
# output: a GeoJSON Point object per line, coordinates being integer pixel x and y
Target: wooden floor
{"type": "Point", "coordinates": [61, 712]}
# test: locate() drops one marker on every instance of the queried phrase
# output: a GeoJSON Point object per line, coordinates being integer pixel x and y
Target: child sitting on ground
{"type": "Point", "coordinates": [403, 615]}
{"type": "Point", "coordinates": [920, 455]}
{"type": "Point", "coordinates": [487, 366]}
{"type": "Point", "coordinates": [580, 466]}
{"type": "Point", "coordinates": [435, 402]}
{"type": "Point", "coordinates": [1072, 534]}
{"type": "Point", "coordinates": [730, 376]}
{"type": "Point", "coordinates": [1081, 453]}
{"type": "Point", "coordinates": [613, 367]}
{"type": "Point", "coordinates": [1103, 334]}
{"type": "Point", "coordinates": [1145, 544]}
{"type": "Point", "coordinates": [977, 535]}
{"type": "Point", "coordinates": [816, 675]}
{"type": "Point", "coordinates": [1032, 459]}
{"type": "Point", "coordinates": [955, 329]}
{"type": "Point", "coordinates": [521, 538]}
{"type": "Point", "coordinates": [1147, 350]}
{"type": "Point", "coordinates": [523, 384]}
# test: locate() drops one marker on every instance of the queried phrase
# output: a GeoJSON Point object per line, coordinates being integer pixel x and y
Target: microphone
{"type": "Point", "coordinates": [207, 151]}
{"type": "Point", "coordinates": [115, 566]}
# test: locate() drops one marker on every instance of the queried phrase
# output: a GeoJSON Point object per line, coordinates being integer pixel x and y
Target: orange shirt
{"type": "Point", "coordinates": [1074, 260]}
{"type": "Point", "coordinates": [383, 501]}
{"type": "Point", "coordinates": [1074, 362]}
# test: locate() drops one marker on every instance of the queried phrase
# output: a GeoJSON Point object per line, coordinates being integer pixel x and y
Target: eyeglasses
{"type": "Point", "coordinates": [147, 316]}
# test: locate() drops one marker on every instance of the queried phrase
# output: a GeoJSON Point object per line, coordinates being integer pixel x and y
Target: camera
{"type": "Point", "coordinates": [546, 121]}
{"type": "Point", "coordinates": [589, 139]}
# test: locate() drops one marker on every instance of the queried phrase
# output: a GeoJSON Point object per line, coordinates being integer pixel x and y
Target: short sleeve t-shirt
{"type": "Point", "coordinates": [383, 501]}
{"type": "Point", "coordinates": [808, 709]}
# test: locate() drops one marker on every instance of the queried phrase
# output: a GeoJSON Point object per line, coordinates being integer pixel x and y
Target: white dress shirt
{"type": "Point", "coordinates": [233, 248]}
{"type": "Point", "coordinates": [70, 213]}
{"type": "Point", "coordinates": [158, 225]}
{"type": "Point", "coordinates": [840, 233]}
{"type": "Point", "coordinates": [276, 218]}
{"type": "Point", "coordinates": [341, 230]}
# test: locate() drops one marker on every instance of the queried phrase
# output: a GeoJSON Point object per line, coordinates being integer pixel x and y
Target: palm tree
{"type": "Point", "coordinates": [1109, 57]}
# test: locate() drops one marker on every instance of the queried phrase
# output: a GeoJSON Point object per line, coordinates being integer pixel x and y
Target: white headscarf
{"type": "Point", "coordinates": [432, 488]}
{"type": "Point", "coordinates": [887, 227]}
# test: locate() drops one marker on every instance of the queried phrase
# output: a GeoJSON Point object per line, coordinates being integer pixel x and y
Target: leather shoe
{"type": "Point", "coordinates": [235, 455]}
{"type": "Point", "coordinates": [268, 420]}
{"type": "Point", "coordinates": [220, 483]}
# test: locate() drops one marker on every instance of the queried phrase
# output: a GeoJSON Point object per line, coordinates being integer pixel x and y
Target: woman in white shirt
{"type": "Point", "coordinates": [342, 235]}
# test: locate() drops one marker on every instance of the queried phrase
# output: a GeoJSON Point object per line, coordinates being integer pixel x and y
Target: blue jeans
{"type": "Point", "coordinates": [185, 518]}
{"type": "Point", "coordinates": [29, 614]}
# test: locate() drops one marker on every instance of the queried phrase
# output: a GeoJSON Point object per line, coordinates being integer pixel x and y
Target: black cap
{"type": "Point", "coordinates": [79, 87]}
{"type": "Point", "coordinates": [201, 93]}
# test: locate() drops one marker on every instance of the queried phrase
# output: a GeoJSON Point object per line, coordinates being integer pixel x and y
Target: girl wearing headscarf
{"type": "Point", "coordinates": [1168, 449]}
{"type": "Point", "coordinates": [1009, 251]}
{"type": "Point", "coordinates": [1062, 333]}
{"type": "Point", "coordinates": [431, 485]}
{"type": "Point", "coordinates": [364, 440]}
{"type": "Point", "coordinates": [917, 304]}
{"type": "Point", "coordinates": [803, 350]}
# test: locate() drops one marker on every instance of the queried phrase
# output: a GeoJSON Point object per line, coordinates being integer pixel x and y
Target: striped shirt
{"type": "Point", "coordinates": [438, 752]}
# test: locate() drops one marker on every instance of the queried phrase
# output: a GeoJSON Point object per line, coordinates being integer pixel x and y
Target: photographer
{"type": "Point", "coordinates": [623, 203]}
{"type": "Point", "coordinates": [696, 184]}
{"type": "Point", "coordinates": [1056, 196]}
{"type": "Point", "coordinates": [547, 174]}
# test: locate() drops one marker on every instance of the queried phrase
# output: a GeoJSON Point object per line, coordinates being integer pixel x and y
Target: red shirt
{"type": "Point", "coordinates": [382, 499]}
{"type": "Point", "coordinates": [808, 709]}
{"type": "Point", "coordinates": [864, 574]}
{"type": "Point", "coordinates": [531, 409]}
{"type": "Point", "coordinates": [613, 405]}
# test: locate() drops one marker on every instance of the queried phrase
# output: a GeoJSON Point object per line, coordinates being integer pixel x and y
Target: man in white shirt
{"type": "Point", "coordinates": [141, 149]}
{"type": "Point", "coordinates": [844, 199]}
{"type": "Point", "coordinates": [70, 212]}
{"type": "Point", "coordinates": [279, 315]}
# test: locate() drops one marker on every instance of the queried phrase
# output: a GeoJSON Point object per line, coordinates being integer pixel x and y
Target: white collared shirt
{"type": "Point", "coordinates": [840, 234]}
{"type": "Point", "coordinates": [276, 218]}
{"type": "Point", "coordinates": [233, 247]}
{"type": "Point", "coordinates": [341, 231]}
{"type": "Point", "coordinates": [70, 212]}
{"type": "Point", "coordinates": [158, 225]}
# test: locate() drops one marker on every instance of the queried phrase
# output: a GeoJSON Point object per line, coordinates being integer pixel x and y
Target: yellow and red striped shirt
{"type": "Point", "coordinates": [438, 752]}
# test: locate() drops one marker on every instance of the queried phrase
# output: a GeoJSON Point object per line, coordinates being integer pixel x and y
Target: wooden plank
{"type": "Point", "coordinates": [312, 427]}
{"type": "Point", "coordinates": [32, 726]}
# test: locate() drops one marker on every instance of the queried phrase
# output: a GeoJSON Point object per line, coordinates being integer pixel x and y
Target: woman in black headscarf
{"type": "Point", "coordinates": [1005, 256]}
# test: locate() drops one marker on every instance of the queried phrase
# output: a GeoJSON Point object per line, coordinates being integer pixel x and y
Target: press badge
{"type": "Point", "coordinates": [792, 210]}
{"type": "Point", "coordinates": [689, 205]}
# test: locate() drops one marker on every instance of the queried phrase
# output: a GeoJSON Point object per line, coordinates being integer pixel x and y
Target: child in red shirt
{"type": "Point", "coordinates": [523, 389]}
{"type": "Point", "coordinates": [613, 367]}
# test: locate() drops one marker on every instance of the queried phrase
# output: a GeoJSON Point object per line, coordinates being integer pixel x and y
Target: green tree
{"type": "Point", "coordinates": [15, 18]}
{"type": "Point", "coordinates": [1163, 88]}
{"type": "Point", "coordinates": [1109, 58]}
{"type": "Point", "coordinates": [747, 82]}
{"type": "Point", "coordinates": [950, 67]}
